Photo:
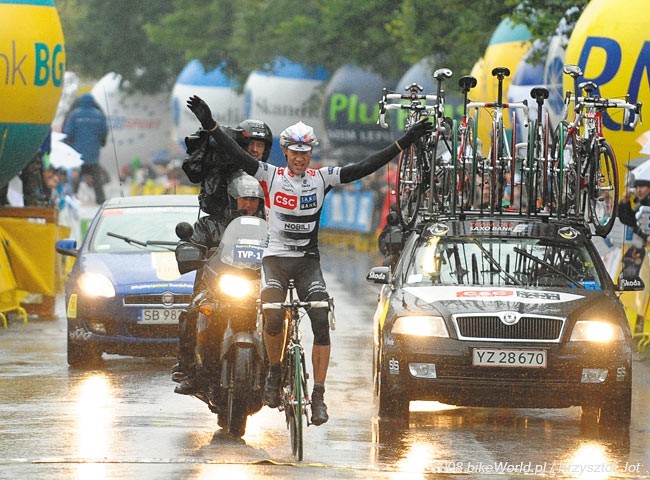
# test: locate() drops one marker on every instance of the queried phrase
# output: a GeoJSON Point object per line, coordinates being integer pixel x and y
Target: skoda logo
{"type": "Point", "coordinates": [510, 318]}
{"type": "Point", "coordinates": [168, 299]}
{"type": "Point", "coordinates": [568, 233]}
{"type": "Point", "coordinates": [438, 229]}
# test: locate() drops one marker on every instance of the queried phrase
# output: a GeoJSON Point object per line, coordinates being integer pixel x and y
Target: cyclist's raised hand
{"type": "Point", "coordinates": [202, 112]}
{"type": "Point", "coordinates": [420, 128]}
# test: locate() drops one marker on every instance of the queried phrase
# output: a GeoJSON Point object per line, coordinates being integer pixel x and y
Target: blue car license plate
{"type": "Point", "coordinates": [160, 316]}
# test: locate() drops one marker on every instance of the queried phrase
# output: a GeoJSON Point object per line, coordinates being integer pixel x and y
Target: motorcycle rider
{"type": "Point", "coordinates": [215, 199]}
{"type": "Point", "coordinates": [294, 198]}
{"type": "Point", "coordinates": [245, 198]}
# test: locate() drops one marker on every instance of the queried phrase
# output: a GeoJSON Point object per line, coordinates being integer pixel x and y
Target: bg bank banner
{"type": "Point", "coordinates": [32, 66]}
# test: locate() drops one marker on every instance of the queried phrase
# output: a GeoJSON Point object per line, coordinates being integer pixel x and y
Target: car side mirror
{"type": "Point", "coordinates": [629, 283]}
{"type": "Point", "coordinates": [188, 257]}
{"type": "Point", "coordinates": [67, 247]}
{"type": "Point", "coordinates": [380, 275]}
{"type": "Point", "coordinates": [184, 231]}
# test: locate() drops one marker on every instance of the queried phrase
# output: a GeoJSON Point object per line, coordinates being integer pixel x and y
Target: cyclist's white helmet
{"type": "Point", "coordinates": [298, 137]}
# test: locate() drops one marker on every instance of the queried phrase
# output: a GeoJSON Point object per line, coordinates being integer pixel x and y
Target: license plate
{"type": "Point", "coordinates": [508, 357]}
{"type": "Point", "coordinates": [160, 315]}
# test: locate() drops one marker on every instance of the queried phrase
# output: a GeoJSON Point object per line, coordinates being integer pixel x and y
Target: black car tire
{"type": "Point", "coordinates": [82, 355]}
{"type": "Point", "coordinates": [616, 411]}
{"type": "Point", "coordinates": [389, 405]}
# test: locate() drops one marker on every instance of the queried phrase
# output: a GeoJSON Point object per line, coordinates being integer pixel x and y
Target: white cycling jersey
{"type": "Point", "coordinates": [293, 207]}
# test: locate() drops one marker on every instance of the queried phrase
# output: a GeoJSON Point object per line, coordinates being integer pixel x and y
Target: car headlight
{"type": "Point", "coordinates": [596, 331]}
{"type": "Point", "coordinates": [421, 326]}
{"type": "Point", "coordinates": [96, 285]}
{"type": "Point", "coordinates": [234, 286]}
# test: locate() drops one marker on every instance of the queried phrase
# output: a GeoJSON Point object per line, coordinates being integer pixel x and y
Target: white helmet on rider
{"type": "Point", "coordinates": [298, 137]}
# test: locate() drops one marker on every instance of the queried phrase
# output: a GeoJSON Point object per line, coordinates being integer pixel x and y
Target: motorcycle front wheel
{"type": "Point", "coordinates": [239, 390]}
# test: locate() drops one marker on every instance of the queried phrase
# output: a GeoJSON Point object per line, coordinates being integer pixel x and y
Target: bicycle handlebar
{"type": "Point", "coordinates": [605, 103]}
{"type": "Point", "coordinates": [518, 105]}
{"type": "Point", "coordinates": [427, 109]}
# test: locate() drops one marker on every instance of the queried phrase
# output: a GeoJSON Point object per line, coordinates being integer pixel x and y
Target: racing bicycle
{"type": "Point", "coordinates": [294, 396]}
{"type": "Point", "coordinates": [419, 165]}
{"type": "Point", "coordinates": [500, 169]}
{"type": "Point", "coordinates": [537, 167]}
{"type": "Point", "coordinates": [585, 168]}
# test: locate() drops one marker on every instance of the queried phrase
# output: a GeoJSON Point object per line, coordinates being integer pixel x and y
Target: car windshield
{"type": "Point", "coordinates": [502, 262]}
{"type": "Point", "coordinates": [141, 224]}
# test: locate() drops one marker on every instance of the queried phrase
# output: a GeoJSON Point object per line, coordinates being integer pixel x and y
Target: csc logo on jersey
{"type": "Point", "coordinates": [283, 200]}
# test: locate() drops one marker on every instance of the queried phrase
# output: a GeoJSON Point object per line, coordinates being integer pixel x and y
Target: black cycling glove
{"type": "Point", "coordinates": [202, 112]}
{"type": "Point", "coordinates": [420, 128]}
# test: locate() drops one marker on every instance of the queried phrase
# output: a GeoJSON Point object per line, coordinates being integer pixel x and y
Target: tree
{"type": "Point", "coordinates": [149, 42]}
{"type": "Point", "coordinates": [109, 36]}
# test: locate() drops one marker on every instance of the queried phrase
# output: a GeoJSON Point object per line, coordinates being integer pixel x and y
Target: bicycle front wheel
{"type": "Point", "coordinates": [295, 411]}
{"type": "Point", "coordinates": [409, 184]}
{"type": "Point", "coordinates": [603, 189]}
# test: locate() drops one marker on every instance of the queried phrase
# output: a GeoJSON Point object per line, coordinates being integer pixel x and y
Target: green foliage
{"type": "Point", "coordinates": [149, 42]}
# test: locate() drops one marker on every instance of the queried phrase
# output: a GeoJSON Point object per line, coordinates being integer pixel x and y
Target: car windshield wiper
{"type": "Point", "coordinates": [132, 241]}
{"type": "Point", "coordinates": [495, 264]}
{"type": "Point", "coordinates": [550, 266]}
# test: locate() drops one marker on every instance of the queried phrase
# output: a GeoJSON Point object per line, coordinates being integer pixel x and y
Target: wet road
{"type": "Point", "coordinates": [123, 421]}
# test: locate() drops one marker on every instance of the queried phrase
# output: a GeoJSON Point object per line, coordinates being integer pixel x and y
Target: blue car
{"type": "Point", "coordinates": [124, 294]}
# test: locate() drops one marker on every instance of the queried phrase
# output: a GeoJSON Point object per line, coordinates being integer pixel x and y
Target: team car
{"type": "Point", "coordinates": [124, 293]}
{"type": "Point", "coordinates": [502, 313]}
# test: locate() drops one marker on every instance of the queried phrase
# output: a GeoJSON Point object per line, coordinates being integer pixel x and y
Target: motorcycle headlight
{"type": "Point", "coordinates": [596, 331]}
{"type": "Point", "coordinates": [421, 326]}
{"type": "Point", "coordinates": [96, 285]}
{"type": "Point", "coordinates": [234, 286]}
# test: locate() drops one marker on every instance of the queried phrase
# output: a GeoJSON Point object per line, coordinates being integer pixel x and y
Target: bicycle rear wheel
{"type": "Point", "coordinates": [409, 184]}
{"type": "Point", "coordinates": [295, 411]}
{"type": "Point", "coordinates": [603, 189]}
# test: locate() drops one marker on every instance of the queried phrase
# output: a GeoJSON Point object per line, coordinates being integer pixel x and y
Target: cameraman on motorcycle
{"type": "Point", "coordinates": [225, 194]}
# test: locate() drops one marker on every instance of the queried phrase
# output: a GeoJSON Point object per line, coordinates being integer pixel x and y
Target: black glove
{"type": "Point", "coordinates": [202, 112]}
{"type": "Point", "coordinates": [422, 127]}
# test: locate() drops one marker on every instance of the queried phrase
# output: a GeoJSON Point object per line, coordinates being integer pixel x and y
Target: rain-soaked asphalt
{"type": "Point", "coordinates": [123, 421]}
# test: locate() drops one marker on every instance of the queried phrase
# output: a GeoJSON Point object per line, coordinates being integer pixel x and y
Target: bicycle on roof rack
{"type": "Point", "coordinates": [424, 167]}
{"type": "Point", "coordinates": [585, 171]}
{"type": "Point", "coordinates": [466, 147]}
{"type": "Point", "coordinates": [538, 159]}
{"type": "Point", "coordinates": [499, 169]}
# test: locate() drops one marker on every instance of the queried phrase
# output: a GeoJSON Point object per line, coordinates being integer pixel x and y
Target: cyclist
{"type": "Point", "coordinates": [294, 198]}
{"type": "Point", "coordinates": [202, 166]}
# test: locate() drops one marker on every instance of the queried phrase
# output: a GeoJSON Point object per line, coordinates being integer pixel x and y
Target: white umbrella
{"type": "Point", "coordinates": [642, 172]}
{"type": "Point", "coordinates": [63, 155]}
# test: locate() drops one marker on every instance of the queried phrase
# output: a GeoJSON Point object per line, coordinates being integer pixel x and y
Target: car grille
{"type": "Point", "coordinates": [491, 327]}
{"type": "Point", "coordinates": [182, 299]}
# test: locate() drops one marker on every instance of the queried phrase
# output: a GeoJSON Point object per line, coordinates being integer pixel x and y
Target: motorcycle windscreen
{"type": "Point", "coordinates": [243, 242]}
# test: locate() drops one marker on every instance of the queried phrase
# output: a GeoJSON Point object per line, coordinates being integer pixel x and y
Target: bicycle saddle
{"type": "Point", "coordinates": [573, 70]}
{"type": "Point", "coordinates": [539, 94]}
{"type": "Point", "coordinates": [466, 83]}
{"type": "Point", "coordinates": [442, 73]}
{"type": "Point", "coordinates": [501, 72]}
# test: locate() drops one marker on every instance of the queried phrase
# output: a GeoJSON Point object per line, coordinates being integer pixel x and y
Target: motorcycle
{"type": "Point", "coordinates": [230, 358]}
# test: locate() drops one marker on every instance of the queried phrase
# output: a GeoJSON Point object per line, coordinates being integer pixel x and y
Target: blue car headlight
{"type": "Point", "coordinates": [96, 285]}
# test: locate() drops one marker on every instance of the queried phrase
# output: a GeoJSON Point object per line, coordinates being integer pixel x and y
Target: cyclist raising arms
{"type": "Point", "coordinates": [294, 199]}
